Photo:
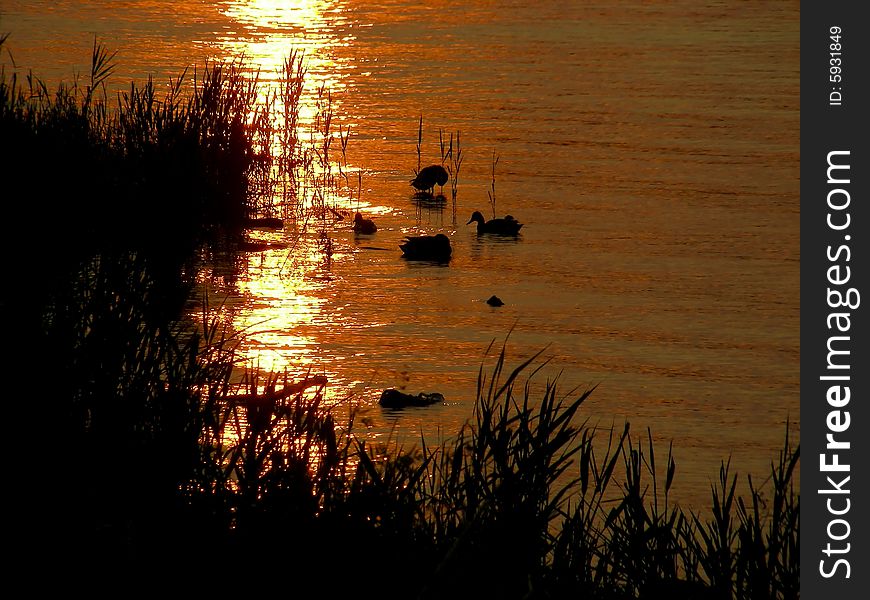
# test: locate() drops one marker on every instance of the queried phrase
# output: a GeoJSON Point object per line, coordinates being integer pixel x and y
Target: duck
{"type": "Point", "coordinates": [362, 225]}
{"type": "Point", "coordinates": [427, 247]}
{"type": "Point", "coordinates": [428, 176]}
{"type": "Point", "coordinates": [393, 398]}
{"type": "Point", "coordinates": [264, 223]}
{"type": "Point", "coordinates": [504, 226]}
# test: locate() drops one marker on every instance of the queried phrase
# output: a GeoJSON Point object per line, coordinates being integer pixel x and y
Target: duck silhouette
{"type": "Point", "coordinates": [364, 226]}
{"type": "Point", "coordinates": [505, 226]}
{"type": "Point", "coordinates": [429, 176]}
{"type": "Point", "coordinates": [393, 398]}
{"type": "Point", "coordinates": [427, 247]}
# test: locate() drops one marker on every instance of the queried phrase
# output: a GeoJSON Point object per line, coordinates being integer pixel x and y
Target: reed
{"type": "Point", "coordinates": [491, 192]}
{"type": "Point", "coordinates": [454, 167]}
{"type": "Point", "coordinates": [178, 464]}
{"type": "Point", "coordinates": [445, 147]}
{"type": "Point", "coordinates": [643, 549]}
{"type": "Point", "coordinates": [156, 170]}
{"type": "Point", "coordinates": [495, 491]}
{"type": "Point", "coordinates": [292, 158]}
{"type": "Point", "coordinates": [419, 144]}
{"type": "Point", "coordinates": [174, 163]}
{"type": "Point", "coordinates": [447, 163]}
{"type": "Point", "coordinates": [132, 395]}
{"type": "Point", "coordinates": [344, 140]}
{"type": "Point", "coordinates": [522, 491]}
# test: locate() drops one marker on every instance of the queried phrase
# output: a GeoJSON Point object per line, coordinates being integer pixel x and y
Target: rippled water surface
{"type": "Point", "coordinates": [651, 150]}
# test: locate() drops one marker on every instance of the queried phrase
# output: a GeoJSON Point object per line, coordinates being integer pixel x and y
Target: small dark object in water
{"type": "Point", "coordinates": [393, 398]}
{"type": "Point", "coordinates": [495, 301]}
{"type": "Point", "coordinates": [427, 247]}
{"type": "Point", "coordinates": [364, 226]}
{"type": "Point", "coordinates": [428, 176]}
{"type": "Point", "coordinates": [266, 222]}
{"type": "Point", "coordinates": [506, 226]}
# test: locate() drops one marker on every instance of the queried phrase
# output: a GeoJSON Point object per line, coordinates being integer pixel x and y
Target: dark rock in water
{"type": "Point", "coordinates": [393, 398]}
{"type": "Point", "coordinates": [495, 301]}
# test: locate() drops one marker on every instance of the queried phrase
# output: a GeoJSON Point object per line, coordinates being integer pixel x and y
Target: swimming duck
{"type": "Point", "coordinates": [364, 226]}
{"type": "Point", "coordinates": [392, 398]}
{"type": "Point", "coordinates": [428, 176]}
{"type": "Point", "coordinates": [265, 223]}
{"type": "Point", "coordinates": [506, 226]}
{"type": "Point", "coordinates": [427, 247]}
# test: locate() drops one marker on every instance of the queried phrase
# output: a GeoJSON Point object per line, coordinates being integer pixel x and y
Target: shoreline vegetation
{"type": "Point", "coordinates": [147, 465]}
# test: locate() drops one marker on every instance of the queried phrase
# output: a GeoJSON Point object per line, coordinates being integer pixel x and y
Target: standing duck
{"type": "Point", "coordinates": [364, 226]}
{"type": "Point", "coordinates": [428, 176]}
{"type": "Point", "coordinates": [427, 247]}
{"type": "Point", "coordinates": [506, 226]}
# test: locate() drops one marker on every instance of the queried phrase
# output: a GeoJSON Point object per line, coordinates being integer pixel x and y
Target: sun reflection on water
{"type": "Point", "coordinates": [285, 294]}
{"type": "Point", "coordinates": [271, 29]}
{"type": "Point", "coordinates": [282, 306]}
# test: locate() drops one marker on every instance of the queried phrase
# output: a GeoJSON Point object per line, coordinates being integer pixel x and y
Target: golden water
{"type": "Point", "coordinates": [651, 149]}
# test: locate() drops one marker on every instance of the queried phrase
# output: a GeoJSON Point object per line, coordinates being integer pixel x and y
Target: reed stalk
{"type": "Point", "coordinates": [491, 192]}
{"type": "Point", "coordinates": [454, 167]}
{"type": "Point", "coordinates": [419, 144]}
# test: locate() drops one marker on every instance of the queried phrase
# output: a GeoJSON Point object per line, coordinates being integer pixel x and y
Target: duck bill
{"type": "Point", "coordinates": [470, 222]}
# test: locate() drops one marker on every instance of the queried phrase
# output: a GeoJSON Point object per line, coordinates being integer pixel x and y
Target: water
{"type": "Point", "coordinates": [651, 151]}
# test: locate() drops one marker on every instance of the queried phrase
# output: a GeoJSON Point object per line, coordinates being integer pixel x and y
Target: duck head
{"type": "Point", "coordinates": [476, 217]}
